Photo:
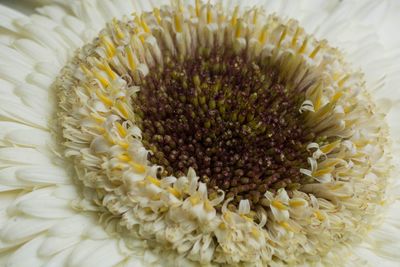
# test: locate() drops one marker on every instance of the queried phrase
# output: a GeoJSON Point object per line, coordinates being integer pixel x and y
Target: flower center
{"type": "Point", "coordinates": [231, 120]}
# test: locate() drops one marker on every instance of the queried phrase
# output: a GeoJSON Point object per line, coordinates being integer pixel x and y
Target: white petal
{"type": "Point", "coordinates": [21, 113]}
{"type": "Point", "coordinates": [7, 16]}
{"type": "Point", "coordinates": [9, 179]}
{"type": "Point", "coordinates": [59, 259]}
{"type": "Point", "coordinates": [20, 134]}
{"type": "Point", "coordinates": [26, 255]}
{"type": "Point", "coordinates": [73, 226]}
{"type": "Point", "coordinates": [45, 206]}
{"type": "Point", "coordinates": [96, 253]}
{"type": "Point", "coordinates": [53, 245]}
{"type": "Point", "coordinates": [34, 50]}
{"type": "Point", "coordinates": [22, 228]}
{"type": "Point", "coordinates": [43, 175]}
{"type": "Point", "coordinates": [21, 155]}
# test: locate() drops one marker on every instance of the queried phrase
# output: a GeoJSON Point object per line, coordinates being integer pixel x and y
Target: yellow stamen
{"type": "Point", "coordinates": [303, 46]}
{"type": "Point", "coordinates": [87, 72]}
{"type": "Point", "coordinates": [178, 23]}
{"type": "Point", "coordinates": [263, 35]}
{"type": "Point", "coordinates": [131, 59]}
{"type": "Point", "coordinates": [283, 35]}
{"type": "Point", "coordinates": [153, 180]}
{"type": "Point", "coordinates": [335, 186]}
{"type": "Point", "coordinates": [197, 7]}
{"type": "Point", "coordinates": [108, 138]}
{"type": "Point", "coordinates": [156, 197]}
{"type": "Point", "coordinates": [138, 167]}
{"type": "Point", "coordinates": [337, 96]}
{"type": "Point", "coordinates": [319, 215]}
{"type": "Point", "coordinates": [121, 130]}
{"type": "Point", "coordinates": [318, 101]}
{"type": "Point", "coordinates": [238, 31]}
{"type": "Point", "coordinates": [315, 51]}
{"type": "Point", "coordinates": [286, 226]}
{"type": "Point", "coordinates": [175, 192]}
{"type": "Point", "coordinates": [100, 129]}
{"type": "Point", "coordinates": [118, 30]}
{"type": "Point", "coordinates": [328, 148]}
{"type": "Point", "coordinates": [119, 167]}
{"type": "Point", "coordinates": [100, 78]}
{"type": "Point", "coordinates": [157, 15]}
{"type": "Point", "coordinates": [98, 118]}
{"type": "Point", "coordinates": [109, 71]}
{"type": "Point", "coordinates": [120, 105]}
{"type": "Point", "coordinates": [124, 145]}
{"type": "Point", "coordinates": [329, 163]}
{"type": "Point", "coordinates": [255, 17]}
{"type": "Point", "coordinates": [343, 80]}
{"type": "Point", "coordinates": [194, 200]}
{"type": "Point", "coordinates": [107, 101]}
{"type": "Point", "coordinates": [163, 209]}
{"type": "Point", "coordinates": [247, 218]}
{"type": "Point", "coordinates": [108, 45]}
{"type": "Point", "coordinates": [180, 6]}
{"type": "Point", "coordinates": [235, 16]}
{"type": "Point", "coordinates": [227, 216]}
{"type": "Point", "coordinates": [296, 203]}
{"type": "Point", "coordinates": [295, 36]}
{"type": "Point", "coordinates": [124, 158]}
{"type": "Point", "coordinates": [148, 210]}
{"type": "Point", "coordinates": [142, 39]}
{"type": "Point", "coordinates": [207, 206]}
{"type": "Point", "coordinates": [144, 25]}
{"type": "Point", "coordinates": [322, 172]}
{"type": "Point", "coordinates": [255, 232]}
{"type": "Point", "coordinates": [279, 205]}
{"type": "Point", "coordinates": [209, 15]}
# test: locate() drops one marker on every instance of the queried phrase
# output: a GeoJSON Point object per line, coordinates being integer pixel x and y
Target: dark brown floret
{"type": "Point", "coordinates": [231, 120]}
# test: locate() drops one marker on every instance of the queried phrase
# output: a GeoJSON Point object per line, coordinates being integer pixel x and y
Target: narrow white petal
{"type": "Point", "coordinates": [8, 178]}
{"type": "Point", "coordinates": [108, 10]}
{"type": "Point", "coordinates": [26, 255]}
{"type": "Point", "coordinates": [21, 155]}
{"type": "Point", "coordinates": [5, 200]}
{"type": "Point", "coordinates": [96, 253]}
{"type": "Point", "coordinates": [22, 228]}
{"type": "Point", "coordinates": [87, 11]}
{"type": "Point", "coordinates": [47, 207]}
{"type": "Point", "coordinates": [11, 74]}
{"type": "Point", "coordinates": [43, 175]}
{"type": "Point", "coordinates": [59, 259]}
{"type": "Point", "coordinates": [21, 113]}
{"type": "Point", "coordinates": [75, 25]}
{"type": "Point", "coordinates": [48, 39]}
{"type": "Point", "coordinates": [32, 138]}
{"type": "Point", "coordinates": [54, 12]}
{"type": "Point", "coordinates": [34, 50]}
{"type": "Point", "coordinates": [7, 17]}
{"type": "Point", "coordinates": [9, 54]}
{"type": "Point", "coordinates": [73, 226]}
{"type": "Point", "coordinates": [54, 245]}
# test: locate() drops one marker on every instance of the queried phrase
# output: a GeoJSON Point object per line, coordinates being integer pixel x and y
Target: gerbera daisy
{"type": "Point", "coordinates": [199, 133]}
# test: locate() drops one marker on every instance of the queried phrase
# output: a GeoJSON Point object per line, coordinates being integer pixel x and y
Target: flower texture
{"type": "Point", "coordinates": [191, 133]}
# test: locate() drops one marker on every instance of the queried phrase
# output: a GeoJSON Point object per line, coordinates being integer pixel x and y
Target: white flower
{"type": "Point", "coordinates": [192, 133]}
